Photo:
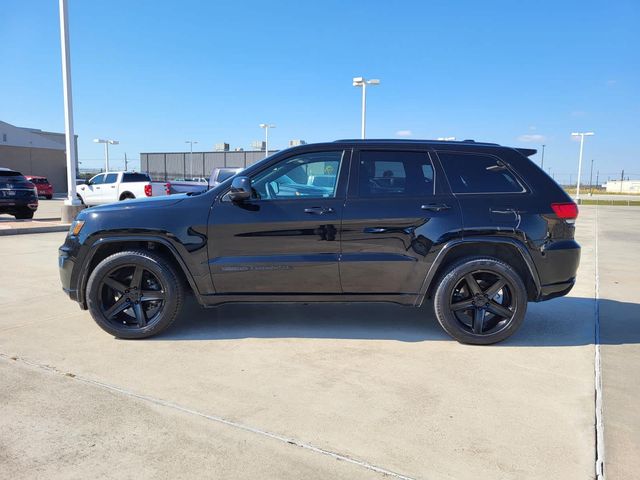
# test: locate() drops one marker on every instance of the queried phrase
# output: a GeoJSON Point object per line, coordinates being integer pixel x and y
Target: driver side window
{"type": "Point", "coordinates": [97, 180]}
{"type": "Point", "coordinates": [310, 175]}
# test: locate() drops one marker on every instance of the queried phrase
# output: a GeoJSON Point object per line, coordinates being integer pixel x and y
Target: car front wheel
{"type": "Point", "coordinates": [480, 300]}
{"type": "Point", "coordinates": [134, 294]}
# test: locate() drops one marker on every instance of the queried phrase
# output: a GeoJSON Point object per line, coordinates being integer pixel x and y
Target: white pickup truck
{"type": "Point", "coordinates": [115, 186]}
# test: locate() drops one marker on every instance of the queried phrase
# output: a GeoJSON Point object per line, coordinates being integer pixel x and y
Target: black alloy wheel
{"type": "Point", "coordinates": [480, 300]}
{"type": "Point", "coordinates": [134, 294]}
{"type": "Point", "coordinates": [131, 296]}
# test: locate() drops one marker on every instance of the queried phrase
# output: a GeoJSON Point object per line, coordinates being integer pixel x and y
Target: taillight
{"type": "Point", "coordinates": [148, 190]}
{"type": "Point", "coordinates": [566, 211]}
{"type": "Point", "coordinates": [167, 188]}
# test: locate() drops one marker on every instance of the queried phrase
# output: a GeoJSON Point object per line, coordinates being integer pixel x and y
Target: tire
{"type": "Point", "coordinates": [23, 214]}
{"type": "Point", "coordinates": [127, 196]}
{"type": "Point", "coordinates": [129, 304]}
{"type": "Point", "coordinates": [477, 314]}
{"type": "Point", "coordinates": [48, 197]}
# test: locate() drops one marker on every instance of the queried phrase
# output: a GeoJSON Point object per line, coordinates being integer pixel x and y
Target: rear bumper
{"type": "Point", "coordinates": [557, 268]}
{"type": "Point", "coordinates": [554, 290]}
{"type": "Point", "coordinates": [11, 204]}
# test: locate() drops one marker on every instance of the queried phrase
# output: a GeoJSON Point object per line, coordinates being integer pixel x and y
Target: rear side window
{"type": "Point", "coordinates": [395, 173]}
{"type": "Point", "coordinates": [135, 177]}
{"type": "Point", "coordinates": [111, 178]}
{"type": "Point", "coordinates": [477, 173]}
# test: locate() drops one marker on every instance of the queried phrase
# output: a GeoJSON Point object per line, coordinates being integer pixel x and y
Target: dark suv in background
{"type": "Point", "coordinates": [18, 196]}
{"type": "Point", "coordinates": [476, 228]}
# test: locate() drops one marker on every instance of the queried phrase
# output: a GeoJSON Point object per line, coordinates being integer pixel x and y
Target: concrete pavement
{"type": "Point", "coordinates": [381, 385]}
{"type": "Point", "coordinates": [619, 256]}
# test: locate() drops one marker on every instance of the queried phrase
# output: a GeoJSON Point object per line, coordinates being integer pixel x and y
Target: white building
{"type": "Point", "coordinates": [624, 186]}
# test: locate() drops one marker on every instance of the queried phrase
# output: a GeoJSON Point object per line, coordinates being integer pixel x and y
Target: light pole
{"type": "Point", "coordinates": [71, 204]}
{"type": "Point", "coordinates": [266, 127]}
{"type": "Point", "coordinates": [581, 135]}
{"type": "Point", "coordinates": [362, 82]}
{"type": "Point", "coordinates": [542, 161]}
{"type": "Point", "coordinates": [591, 179]}
{"type": "Point", "coordinates": [106, 150]}
{"type": "Point", "coordinates": [191, 142]}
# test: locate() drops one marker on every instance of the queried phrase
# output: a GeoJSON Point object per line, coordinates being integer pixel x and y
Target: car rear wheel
{"type": "Point", "coordinates": [134, 294]}
{"type": "Point", "coordinates": [480, 300]}
{"type": "Point", "coordinates": [24, 214]}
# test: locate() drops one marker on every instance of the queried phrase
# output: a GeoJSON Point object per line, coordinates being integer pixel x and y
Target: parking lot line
{"type": "Point", "coordinates": [214, 418]}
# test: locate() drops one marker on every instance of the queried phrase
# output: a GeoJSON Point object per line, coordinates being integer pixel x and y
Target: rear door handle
{"type": "Point", "coordinates": [506, 211]}
{"type": "Point", "coordinates": [318, 210]}
{"type": "Point", "coordinates": [435, 207]}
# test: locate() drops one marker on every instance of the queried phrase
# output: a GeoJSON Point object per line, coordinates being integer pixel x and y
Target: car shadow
{"type": "Point", "coordinates": [568, 321]}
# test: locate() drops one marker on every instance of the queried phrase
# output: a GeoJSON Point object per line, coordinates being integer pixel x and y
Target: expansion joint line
{"type": "Point", "coordinates": [599, 466]}
{"type": "Point", "coordinates": [214, 418]}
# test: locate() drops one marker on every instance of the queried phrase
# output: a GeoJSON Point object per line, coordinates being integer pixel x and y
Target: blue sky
{"type": "Point", "coordinates": [153, 74]}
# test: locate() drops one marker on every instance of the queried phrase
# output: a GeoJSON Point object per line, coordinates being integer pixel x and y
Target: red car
{"type": "Point", "coordinates": [45, 189]}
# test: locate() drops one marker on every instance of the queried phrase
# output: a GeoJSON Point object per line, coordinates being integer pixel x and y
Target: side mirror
{"type": "Point", "coordinates": [240, 189]}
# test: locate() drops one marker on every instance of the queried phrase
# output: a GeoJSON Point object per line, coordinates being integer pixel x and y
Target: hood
{"type": "Point", "coordinates": [138, 203]}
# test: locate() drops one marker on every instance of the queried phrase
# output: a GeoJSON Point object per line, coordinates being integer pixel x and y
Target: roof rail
{"type": "Point", "coordinates": [408, 140]}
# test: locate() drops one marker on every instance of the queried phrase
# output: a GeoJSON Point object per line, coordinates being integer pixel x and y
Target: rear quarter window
{"type": "Point", "coordinates": [478, 173]}
{"type": "Point", "coordinates": [135, 177]}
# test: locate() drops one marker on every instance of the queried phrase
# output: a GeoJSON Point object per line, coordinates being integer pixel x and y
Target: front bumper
{"type": "Point", "coordinates": [66, 265]}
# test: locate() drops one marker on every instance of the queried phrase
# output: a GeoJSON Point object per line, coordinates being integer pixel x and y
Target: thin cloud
{"type": "Point", "coordinates": [611, 83]}
{"type": "Point", "coordinates": [404, 133]}
{"type": "Point", "coordinates": [531, 138]}
{"type": "Point", "coordinates": [578, 113]}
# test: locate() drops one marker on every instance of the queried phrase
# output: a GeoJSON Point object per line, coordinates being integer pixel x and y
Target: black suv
{"type": "Point", "coordinates": [476, 228]}
{"type": "Point", "coordinates": [18, 196]}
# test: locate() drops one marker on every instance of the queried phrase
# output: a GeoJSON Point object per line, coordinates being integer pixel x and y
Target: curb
{"type": "Point", "coordinates": [25, 231]}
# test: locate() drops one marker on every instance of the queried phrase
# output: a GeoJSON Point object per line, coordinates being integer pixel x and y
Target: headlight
{"type": "Point", "coordinates": [76, 226]}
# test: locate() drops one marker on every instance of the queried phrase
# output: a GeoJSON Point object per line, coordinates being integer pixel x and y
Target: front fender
{"type": "Point", "coordinates": [103, 241]}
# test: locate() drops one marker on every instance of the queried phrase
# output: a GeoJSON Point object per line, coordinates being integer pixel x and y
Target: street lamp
{"type": "Point", "coordinates": [71, 204]}
{"type": "Point", "coordinates": [266, 127]}
{"type": "Point", "coordinates": [542, 161]}
{"type": "Point", "coordinates": [106, 150]}
{"type": "Point", "coordinates": [362, 82]}
{"type": "Point", "coordinates": [581, 135]}
{"type": "Point", "coordinates": [191, 142]}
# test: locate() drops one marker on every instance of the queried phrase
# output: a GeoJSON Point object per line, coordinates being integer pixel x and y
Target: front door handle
{"type": "Point", "coordinates": [376, 230]}
{"type": "Point", "coordinates": [318, 210]}
{"type": "Point", "coordinates": [435, 207]}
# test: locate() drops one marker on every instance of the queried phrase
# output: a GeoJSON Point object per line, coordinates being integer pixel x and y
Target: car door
{"type": "Point", "coordinates": [488, 191]}
{"type": "Point", "coordinates": [92, 189]}
{"type": "Point", "coordinates": [286, 238]}
{"type": "Point", "coordinates": [109, 188]}
{"type": "Point", "coordinates": [397, 215]}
